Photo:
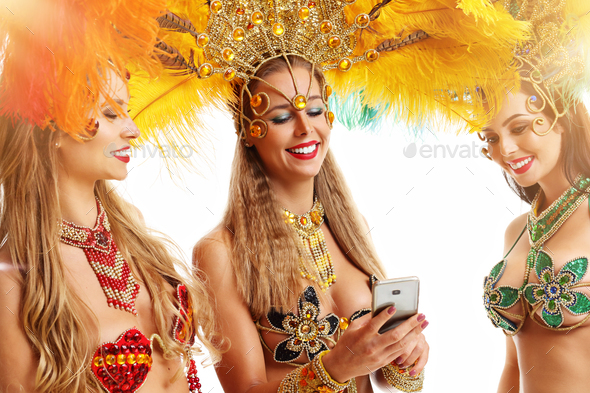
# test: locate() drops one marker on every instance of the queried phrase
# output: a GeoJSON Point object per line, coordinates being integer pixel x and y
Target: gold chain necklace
{"type": "Point", "coordinates": [308, 227]}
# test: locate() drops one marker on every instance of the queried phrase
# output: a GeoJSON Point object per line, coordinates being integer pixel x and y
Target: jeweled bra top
{"type": "Point", "coordinates": [556, 291]}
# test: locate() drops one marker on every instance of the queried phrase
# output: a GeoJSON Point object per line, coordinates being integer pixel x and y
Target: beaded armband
{"type": "Point", "coordinates": [310, 378]}
{"type": "Point", "coordinates": [400, 379]}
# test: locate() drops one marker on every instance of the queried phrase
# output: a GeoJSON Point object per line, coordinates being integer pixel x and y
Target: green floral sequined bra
{"type": "Point", "coordinates": [555, 291]}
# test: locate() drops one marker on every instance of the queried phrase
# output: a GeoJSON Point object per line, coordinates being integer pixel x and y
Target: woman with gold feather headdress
{"type": "Point", "coordinates": [94, 303]}
{"type": "Point", "coordinates": [291, 264]}
{"type": "Point", "coordinates": [541, 139]}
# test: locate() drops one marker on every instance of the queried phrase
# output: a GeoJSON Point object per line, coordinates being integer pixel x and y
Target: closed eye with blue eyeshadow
{"type": "Point", "coordinates": [283, 118]}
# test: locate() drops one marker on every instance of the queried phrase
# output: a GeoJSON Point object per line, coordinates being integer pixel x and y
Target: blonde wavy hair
{"type": "Point", "coordinates": [54, 319]}
{"type": "Point", "coordinates": [265, 252]}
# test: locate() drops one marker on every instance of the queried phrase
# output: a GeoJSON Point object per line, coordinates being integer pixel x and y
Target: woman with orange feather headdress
{"type": "Point", "coordinates": [92, 300]}
{"type": "Point", "coordinates": [291, 263]}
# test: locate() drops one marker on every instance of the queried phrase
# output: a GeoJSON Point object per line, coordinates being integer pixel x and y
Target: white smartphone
{"type": "Point", "coordinates": [402, 293]}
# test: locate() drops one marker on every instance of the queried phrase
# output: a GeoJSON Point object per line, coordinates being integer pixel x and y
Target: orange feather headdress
{"type": "Point", "coordinates": [54, 55]}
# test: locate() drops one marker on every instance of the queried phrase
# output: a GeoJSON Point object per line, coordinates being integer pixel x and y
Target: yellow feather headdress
{"type": "Point", "coordinates": [409, 58]}
{"type": "Point", "coordinates": [54, 54]}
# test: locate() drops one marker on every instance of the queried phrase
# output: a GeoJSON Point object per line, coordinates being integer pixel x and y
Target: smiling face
{"type": "Point", "coordinates": [524, 155]}
{"type": "Point", "coordinates": [106, 156]}
{"type": "Point", "coordinates": [297, 141]}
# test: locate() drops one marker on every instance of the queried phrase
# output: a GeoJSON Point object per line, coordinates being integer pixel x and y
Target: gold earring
{"type": "Point", "coordinates": [486, 153]}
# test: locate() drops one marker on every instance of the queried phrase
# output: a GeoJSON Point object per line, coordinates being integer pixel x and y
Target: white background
{"type": "Point", "coordinates": [441, 218]}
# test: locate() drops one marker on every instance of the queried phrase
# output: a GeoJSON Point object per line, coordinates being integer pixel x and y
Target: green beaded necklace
{"type": "Point", "coordinates": [543, 227]}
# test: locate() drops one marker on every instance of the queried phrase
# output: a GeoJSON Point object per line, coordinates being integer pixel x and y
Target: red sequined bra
{"type": "Point", "coordinates": [123, 365]}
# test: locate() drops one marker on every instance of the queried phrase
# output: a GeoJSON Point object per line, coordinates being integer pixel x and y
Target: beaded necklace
{"type": "Point", "coordinates": [541, 228]}
{"type": "Point", "coordinates": [308, 227]}
{"type": "Point", "coordinates": [111, 269]}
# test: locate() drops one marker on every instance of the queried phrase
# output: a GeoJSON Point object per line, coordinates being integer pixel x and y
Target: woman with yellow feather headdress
{"type": "Point", "coordinates": [291, 263]}
{"type": "Point", "coordinates": [94, 303]}
{"type": "Point", "coordinates": [538, 294]}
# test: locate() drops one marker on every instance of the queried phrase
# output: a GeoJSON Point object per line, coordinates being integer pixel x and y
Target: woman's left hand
{"type": "Point", "coordinates": [417, 352]}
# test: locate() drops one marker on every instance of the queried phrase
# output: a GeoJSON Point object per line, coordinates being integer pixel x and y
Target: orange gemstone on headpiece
{"type": "Point", "coordinates": [250, 26]}
{"type": "Point", "coordinates": [202, 40]}
{"type": "Point", "coordinates": [255, 101]}
{"type": "Point", "coordinates": [98, 361]}
{"type": "Point", "coordinates": [371, 55]}
{"type": "Point", "coordinates": [240, 11]}
{"type": "Point", "coordinates": [255, 130]}
{"type": "Point", "coordinates": [328, 91]}
{"type": "Point", "coordinates": [228, 55]}
{"type": "Point", "coordinates": [303, 13]}
{"type": "Point", "coordinates": [311, 4]}
{"type": "Point", "coordinates": [205, 70]}
{"type": "Point", "coordinates": [216, 7]}
{"type": "Point", "coordinates": [229, 74]}
{"type": "Point", "coordinates": [278, 29]}
{"type": "Point", "coordinates": [334, 42]}
{"type": "Point", "coordinates": [239, 34]}
{"type": "Point", "coordinates": [300, 102]}
{"type": "Point", "coordinates": [331, 117]}
{"type": "Point", "coordinates": [344, 64]}
{"type": "Point", "coordinates": [326, 26]}
{"type": "Point", "coordinates": [257, 17]}
{"type": "Point", "coordinates": [303, 220]}
{"type": "Point", "coordinates": [362, 20]}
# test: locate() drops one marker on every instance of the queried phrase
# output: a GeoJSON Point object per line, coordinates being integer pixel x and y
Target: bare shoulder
{"type": "Point", "coordinates": [514, 230]}
{"type": "Point", "coordinates": [211, 254]}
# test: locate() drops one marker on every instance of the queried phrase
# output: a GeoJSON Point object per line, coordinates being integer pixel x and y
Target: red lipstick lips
{"type": "Point", "coordinates": [304, 151]}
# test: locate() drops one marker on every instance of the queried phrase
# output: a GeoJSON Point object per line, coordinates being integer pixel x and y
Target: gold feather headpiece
{"type": "Point", "coordinates": [411, 58]}
{"type": "Point", "coordinates": [555, 61]}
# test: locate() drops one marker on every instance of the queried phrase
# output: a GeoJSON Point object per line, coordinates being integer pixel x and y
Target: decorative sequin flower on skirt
{"type": "Point", "coordinates": [305, 329]}
{"type": "Point", "coordinates": [554, 291]}
{"type": "Point", "coordinates": [499, 298]}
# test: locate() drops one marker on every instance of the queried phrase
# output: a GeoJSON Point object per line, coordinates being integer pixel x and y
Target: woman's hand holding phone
{"type": "Point", "coordinates": [362, 350]}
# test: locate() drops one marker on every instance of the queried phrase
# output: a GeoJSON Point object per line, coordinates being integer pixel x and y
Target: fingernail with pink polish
{"type": "Point", "coordinates": [399, 360]}
{"type": "Point", "coordinates": [413, 373]}
{"type": "Point", "coordinates": [421, 317]}
{"type": "Point", "coordinates": [424, 324]}
{"type": "Point", "coordinates": [391, 310]}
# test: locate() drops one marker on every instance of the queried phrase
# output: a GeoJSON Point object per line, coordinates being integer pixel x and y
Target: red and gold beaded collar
{"type": "Point", "coordinates": [111, 269]}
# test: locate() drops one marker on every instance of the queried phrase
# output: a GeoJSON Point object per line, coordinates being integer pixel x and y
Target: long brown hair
{"type": "Point", "coordinates": [55, 320]}
{"type": "Point", "coordinates": [574, 156]}
{"type": "Point", "coordinates": [265, 253]}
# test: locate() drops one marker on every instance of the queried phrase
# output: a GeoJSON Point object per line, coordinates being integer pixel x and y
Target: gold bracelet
{"type": "Point", "coordinates": [401, 379]}
{"type": "Point", "coordinates": [320, 370]}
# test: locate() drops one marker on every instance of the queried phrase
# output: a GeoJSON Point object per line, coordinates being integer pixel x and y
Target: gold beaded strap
{"type": "Point", "coordinates": [400, 378]}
